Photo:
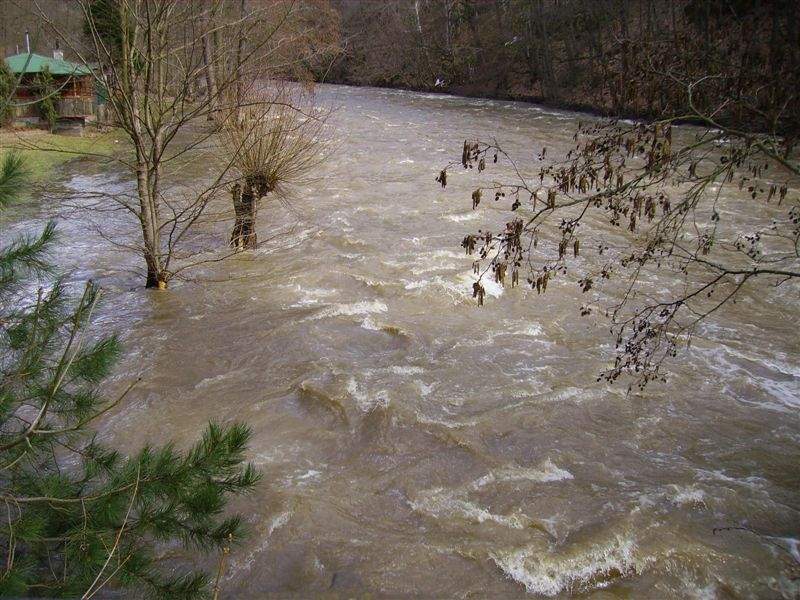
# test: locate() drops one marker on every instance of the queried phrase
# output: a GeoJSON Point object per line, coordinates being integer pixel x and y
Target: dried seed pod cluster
{"type": "Point", "coordinates": [647, 204]}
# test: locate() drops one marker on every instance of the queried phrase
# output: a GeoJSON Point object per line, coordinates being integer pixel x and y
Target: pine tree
{"type": "Point", "coordinates": [7, 85]}
{"type": "Point", "coordinates": [47, 93]}
{"type": "Point", "coordinates": [79, 516]}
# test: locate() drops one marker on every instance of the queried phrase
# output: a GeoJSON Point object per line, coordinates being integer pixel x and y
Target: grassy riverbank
{"type": "Point", "coordinates": [44, 152]}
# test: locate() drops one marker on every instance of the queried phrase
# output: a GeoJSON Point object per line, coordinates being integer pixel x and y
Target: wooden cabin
{"type": "Point", "coordinates": [76, 104]}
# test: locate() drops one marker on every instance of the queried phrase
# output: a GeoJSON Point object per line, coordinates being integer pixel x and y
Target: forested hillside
{"type": "Point", "coordinates": [621, 57]}
{"type": "Point", "coordinates": [19, 16]}
{"type": "Point", "coordinates": [614, 56]}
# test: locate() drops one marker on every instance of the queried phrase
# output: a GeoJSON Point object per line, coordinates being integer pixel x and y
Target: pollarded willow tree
{"type": "Point", "coordinates": [274, 143]}
{"type": "Point", "coordinates": [711, 209]}
{"type": "Point", "coordinates": [169, 67]}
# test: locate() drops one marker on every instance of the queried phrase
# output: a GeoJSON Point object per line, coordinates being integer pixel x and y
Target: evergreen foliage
{"type": "Point", "coordinates": [47, 94]}
{"type": "Point", "coordinates": [7, 82]}
{"type": "Point", "coordinates": [80, 516]}
{"type": "Point", "coordinates": [103, 20]}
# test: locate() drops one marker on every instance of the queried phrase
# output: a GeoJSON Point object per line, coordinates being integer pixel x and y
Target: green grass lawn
{"type": "Point", "coordinates": [44, 151]}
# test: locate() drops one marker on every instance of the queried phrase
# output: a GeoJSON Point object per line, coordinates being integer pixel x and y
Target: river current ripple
{"type": "Point", "coordinates": [413, 444]}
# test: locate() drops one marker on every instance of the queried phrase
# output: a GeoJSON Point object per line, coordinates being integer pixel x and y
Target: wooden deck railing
{"type": "Point", "coordinates": [65, 107]}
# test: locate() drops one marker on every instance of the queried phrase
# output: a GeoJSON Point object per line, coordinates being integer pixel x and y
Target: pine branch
{"type": "Point", "coordinates": [13, 177]}
{"type": "Point", "coordinates": [26, 255]}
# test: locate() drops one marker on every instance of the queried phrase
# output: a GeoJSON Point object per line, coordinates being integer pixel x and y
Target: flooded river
{"type": "Point", "coordinates": [413, 444]}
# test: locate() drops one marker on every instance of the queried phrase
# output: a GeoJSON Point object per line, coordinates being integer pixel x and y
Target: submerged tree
{"type": "Point", "coordinates": [152, 56]}
{"type": "Point", "coordinates": [79, 516]}
{"type": "Point", "coordinates": [646, 198]}
{"type": "Point", "coordinates": [274, 142]}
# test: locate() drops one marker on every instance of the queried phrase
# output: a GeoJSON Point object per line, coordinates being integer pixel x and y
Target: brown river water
{"type": "Point", "coordinates": [415, 445]}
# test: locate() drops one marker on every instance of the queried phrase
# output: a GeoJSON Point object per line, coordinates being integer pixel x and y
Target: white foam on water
{"type": "Point", "coordinates": [546, 472]}
{"type": "Point", "coordinates": [566, 394]}
{"type": "Point", "coordinates": [278, 521]}
{"type": "Point", "coordinates": [212, 380]}
{"type": "Point", "coordinates": [752, 482]}
{"type": "Point", "coordinates": [492, 288]}
{"type": "Point", "coordinates": [531, 329]}
{"type": "Point", "coordinates": [460, 217]}
{"type": "Point", "coordinates": [550, 113]}
{"type": "Point", "coordinates": [690, 495]}
{"type": "Point", "coordinates": [420, 263]}
{"type": "Point", "coordinates": [424, 389]}
{"type": "Point", "coordinates": [311, 296]}
{"type": "Point", "coordinates": [781, 366]}
{"type": "Point", "coordinates": [455, 291]}
{"type": "Point", "coordinates": [431, 267]}
{"type": "Point", "coordinates": [698, 592]}
{"type": "Point", "coordinates": [368, 323]}
{"type": "Point", "coordinates": [416, 285]}
{"type": "Point", "coordinates": [786, 393]}
{"type": "Point", "coordinates": [432, 96]}
{"type": "Point", "coordinates": [439, 502]}
{"type": "Point", "coordinates": [368, 281]}
{"type": "Point", "coordinates": [406, 370]}
{"type": "Point", "coordinates": [344, 221]}
{"type": "Point", "coordinates": [354, 241]}
{"type": "Point", "coordinates": [301, 477]}
{"type": "Point", "coordinates": [371, 325]}
{"type": "Point", "coordinates": [646, 501]}
{"type": "Point", "coordinates": [308, 474]}
{"type": "Point", "coordinates": [426, 257]}
{"type": "Point", "coordinates": [366, 402]}
{"type": "Point", "coordinates": [364, 307]}
{"type": "Point", "coordinates": [793, 544]}
{"type": "Point", "coordinates": [550, 573]}
{"type": "Point", "coordinates": [442, 423]}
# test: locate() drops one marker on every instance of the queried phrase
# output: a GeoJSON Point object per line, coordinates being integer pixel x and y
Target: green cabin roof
{"type": "Point", "coordinates": [35, 63]}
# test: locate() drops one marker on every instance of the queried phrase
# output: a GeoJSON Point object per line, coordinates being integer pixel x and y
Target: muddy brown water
{"type": "Point", "coordinates": [413, 444]}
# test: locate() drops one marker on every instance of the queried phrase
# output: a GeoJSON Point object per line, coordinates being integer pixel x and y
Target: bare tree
{"type": "Point", "coordinates": [209, 64]}
{"type": "Point", "coordinates": [151, 68]}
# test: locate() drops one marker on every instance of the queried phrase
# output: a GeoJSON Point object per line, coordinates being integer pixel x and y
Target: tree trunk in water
{"type": "Point", "coordinates": [152, 277]}
{"type": "Point", "coordinates": [155, 277]}
{"type": "Point", "coordinates": [156, 274]}
{"type": "Point", "coordinates": [245, 207]}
